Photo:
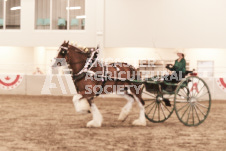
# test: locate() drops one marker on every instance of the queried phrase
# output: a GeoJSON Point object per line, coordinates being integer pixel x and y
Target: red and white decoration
{"type": "Point", "coordinates": [221, 82]}
{"type": "Point", "coordinates": [9, 82]}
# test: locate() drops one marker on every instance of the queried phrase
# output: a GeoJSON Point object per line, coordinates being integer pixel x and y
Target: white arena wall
{"type": "Point", "coordinates": [26, 59]}
{"type": "Point", "coordinates": [34, 85]}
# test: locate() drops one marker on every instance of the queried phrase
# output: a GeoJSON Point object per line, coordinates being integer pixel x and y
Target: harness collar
{"type": "Point", "coordinates": [87, 67]}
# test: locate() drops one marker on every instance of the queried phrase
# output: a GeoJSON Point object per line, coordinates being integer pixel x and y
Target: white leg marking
{"type": "Point", "coordinates": [126, 109]}
{"type": "Point", "coordinates": [141, 121]}
{"type": "Point", "coordinates": [81, 105]}
{"type": "Point", "coordinates": [97, 117]}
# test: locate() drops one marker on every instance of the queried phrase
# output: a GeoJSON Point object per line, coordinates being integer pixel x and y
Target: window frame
{"type": "Point", "coordinates": [4, 18]}
{"type": "Point", "coordinates": [51, 17]}
{"type": "Point", "coordinates": [198, 68]}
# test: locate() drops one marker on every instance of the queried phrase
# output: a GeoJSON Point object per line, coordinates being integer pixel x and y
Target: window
{"type": "Point", "coordinates": [205, 68]}
{"type": "Point", "coordinates": [59, 20]}
{"type": "Point", "coordinates": [42, 15]}
{"type": "Point", "coordinates": [13, 14]}
{"type": "Point", "coordinates": [60, 14]}
{"type": "Point", "coordinates": [1, 13]}
{"type": "Point", "coordinates": [10, 14]}
{"type": "Point", "coordinates": [77, 14]}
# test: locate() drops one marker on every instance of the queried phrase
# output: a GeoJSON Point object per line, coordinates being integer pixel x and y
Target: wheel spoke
{"type": "Point", "coordinates": [163, 111]}
{"type": "Point", "coordinates": [159, 111]}
{"type": "Point", "coordinates": [151, 109]}
{"type": "Point", "coordinates": [154, 112]}
{"type": "Point", "coordinates": [192, 85]}
{"type": "Point", "coordinates": [202, 105]}
{"type": "Point", "coordinates": [200, 90]}
{"type": "Point", "coordinates": [185, 111]}
{"type": "Point", "coordinates": [197, 113]}
{"type": "Point", "coordinates": [182, 97]}
{"type": "Point", "coordinates": [180, 101]}
{"type": "Point", "coordinates": [166, 107]}
{"type": "Point", "coordinates": [183, 107]}
{"type": "Point", "coordinates": [150, 94]}
{"type": "Point", "coordinates": [185, 94]}
{"type": "Point", "coordinates": [197, 86]}
{"type": "Point", "coordinates": [199, 100]}
{"type": "Point", "coordinates": [150, 100]}
{"type": "Point", "coordinates": [200, 110]}
{"type": "Point", "coordinates": [189, 114]}
{"type": "Point", "coordinates": [149, 104]}
{"type": "Point", "coordinates": [169, 97]}
{"type": "Point", "coordinates": [193, 115]}
{"type": "Point", "coordinates": [202, 95]}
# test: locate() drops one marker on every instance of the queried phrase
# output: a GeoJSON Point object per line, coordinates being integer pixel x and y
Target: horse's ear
{"type": "Point", "coordinates": [68, 42]}
{"type": "Point", "coordinates": [64, 41]}
{"type": "Point", "coordinates": [98, 46]}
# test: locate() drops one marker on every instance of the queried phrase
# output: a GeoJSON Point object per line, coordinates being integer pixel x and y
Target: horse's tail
{"type": "Point", "coordinates": [137, 76]}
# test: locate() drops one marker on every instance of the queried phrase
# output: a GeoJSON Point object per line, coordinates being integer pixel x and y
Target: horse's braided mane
{"type": "Point", "coordinates": [79, 49]}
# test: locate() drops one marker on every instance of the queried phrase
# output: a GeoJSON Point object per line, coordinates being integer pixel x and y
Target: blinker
{"type": "Point", "coordinates": [63, 52]}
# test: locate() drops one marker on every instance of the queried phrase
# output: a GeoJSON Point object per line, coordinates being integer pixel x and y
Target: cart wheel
{"type": "Point", "coordinates": [192, 101]}
{"type": "Point", "coordinates": [156, 109]}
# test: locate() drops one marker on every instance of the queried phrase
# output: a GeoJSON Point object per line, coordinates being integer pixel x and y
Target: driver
{"type": "Point", "coordinates": [179, 69]}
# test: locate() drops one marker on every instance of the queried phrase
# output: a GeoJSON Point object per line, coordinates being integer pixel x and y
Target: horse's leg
{"type": "Point", "coordinates": [97, 117]}
{"type": "Point", "coordinates": [126, 109]}
{"type": "Point", "coordinates": [81, 105]}
{"type": "Point", "coordinates": [141, 121]}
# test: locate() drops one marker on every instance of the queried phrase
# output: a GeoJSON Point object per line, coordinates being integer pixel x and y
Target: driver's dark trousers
{"type": "Point", "coordinates": [175, 77]}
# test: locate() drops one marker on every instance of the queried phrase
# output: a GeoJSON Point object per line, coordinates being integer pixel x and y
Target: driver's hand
{"type": "Point", "coordinates": [168, 65]}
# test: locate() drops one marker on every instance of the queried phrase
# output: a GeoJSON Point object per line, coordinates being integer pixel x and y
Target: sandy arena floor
{"type": "Point", "coordinates": [29, 123]}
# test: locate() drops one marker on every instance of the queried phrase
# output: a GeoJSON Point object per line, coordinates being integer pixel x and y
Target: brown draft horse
{"type": "Point", "coordinates": [110, 79]}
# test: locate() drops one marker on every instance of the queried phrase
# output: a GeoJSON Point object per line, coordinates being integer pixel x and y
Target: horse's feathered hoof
{"type": "Point", "coordinates": [93, 124]}
{"type": "Point", "coordinates": [124, 119]}
{"type": "Point", "coordinates": [123, 116]}
{"type": "Point", "coordinates": [139, 122]}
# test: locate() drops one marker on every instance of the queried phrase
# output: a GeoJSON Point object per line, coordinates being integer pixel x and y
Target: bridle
{"type": "Point", "coordinates": [64, 52]}
{"type": "Point", "coordinates": [92, 59]}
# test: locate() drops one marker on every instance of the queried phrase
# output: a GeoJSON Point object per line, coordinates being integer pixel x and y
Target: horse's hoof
{"type": "Point", "coordinates": [139, 122]}
{"type": "Point", "coordinates": [123, 116]}
{"type": "Point", "coordinates": [93, 124]}
{"type": "Point", "coordinates": [123, 119]}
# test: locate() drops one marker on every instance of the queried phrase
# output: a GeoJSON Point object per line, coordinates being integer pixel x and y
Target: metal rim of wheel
{"type": "Point", "coordinates": [192, 101]}
{"type": "Point", "coordinates": [156, 110]}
